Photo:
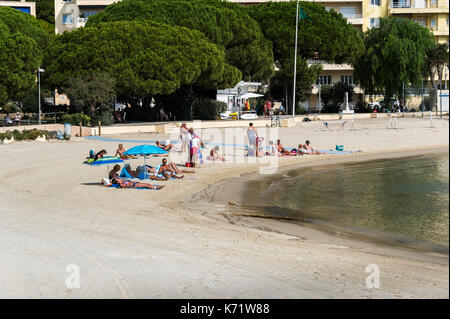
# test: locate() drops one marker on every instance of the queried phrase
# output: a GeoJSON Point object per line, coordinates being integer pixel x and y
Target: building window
{"type": "Point", "coordinates": [348, 79]}
{"type": "Point", "coordinates": [375, 3]}
{"type": "Point", "coordinates": [67, 19]}
{"type": "Point", "coordinates": [374, 22]}
{"type": "Point", "coordinates": [433, 3]}
{"type": "Point", "coordinates": [324, 80]}
{"type": "Point", "coordinates": [433, 23]}
{"type": "Point", "coordinates": [421, 21]}
{"type": "Point", "coordinates": [348, 12]}
{"type": "Point", "coordinates": [447, 21]}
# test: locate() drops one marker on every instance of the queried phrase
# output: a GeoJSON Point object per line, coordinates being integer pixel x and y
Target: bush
{"type": "Point", "coordinates": [329, 108]}
{"type": "Point", "coordinates": [27, 134]}
{"type": "Point", "coordinates": [362, 107]}
{"type": "Point", "coordinates": [300, 110]}
{"type": "Point", "coordinates": [76, 118]}
{"type": "Point", "coordinates": [7, 135]}
{"type": "Point", "coordinates": [208, 109]}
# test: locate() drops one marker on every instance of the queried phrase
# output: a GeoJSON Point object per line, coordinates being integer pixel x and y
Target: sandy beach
{"type": "Point", "coordinates": [171, 244]}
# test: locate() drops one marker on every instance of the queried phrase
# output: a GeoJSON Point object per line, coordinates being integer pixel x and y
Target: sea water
{"type": "Point", "coordinates": [403, 199]}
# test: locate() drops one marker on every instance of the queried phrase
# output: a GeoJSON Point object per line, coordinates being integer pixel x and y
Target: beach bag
{"type": "Point", "coordinates": [91, 153]}
{"type": "Point", "coordinates": [339, 147]}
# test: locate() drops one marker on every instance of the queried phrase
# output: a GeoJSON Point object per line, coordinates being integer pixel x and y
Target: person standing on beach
{"type": "Point", "coordinates": [183, 136]}
{"type": "Point", "coordinates": [252, 140]}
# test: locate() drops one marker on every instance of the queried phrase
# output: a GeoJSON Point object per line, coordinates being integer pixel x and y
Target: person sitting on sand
{"type": "Point", "coordinates": [99, 155]}
{"type": "Point", "coordinates": [282, 150]}
{"type": "Point", "coordinates": [309, 149]}
{"type": "Point", "coordinates": [301, 150]}
{"type": "Point", "coordinates": [167, 170]}
{"type": "Point", "coordinates": [120, 152]}
{"type": "Point", "coordinates": [166, 147]}
{"type": "Point", "coordinates": [114, 172]}
{"type": "Point", "coordinates": [130, 184]}
{"type": "Point", "coordinates": [215, 156]}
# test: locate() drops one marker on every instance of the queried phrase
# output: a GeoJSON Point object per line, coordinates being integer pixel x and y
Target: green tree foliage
{"type": "Point", "coordinates": [145, 58]}
{"type": "Point", "coordinates": [436, 58]}
{"type": "Point", "coordinates": [95, 94]}
{"type": "Point", "coordinates": [326, 33]}
{"type": "Point", "coordinates": [45, 10]}
{"type": "Point", "coordinates": [333, 96]}
{"type": "Point", "coordinates": [231, 30]}
{"type": "Point", "coordinates": [394, 54]}
{"type": "Point", "coordinates": [21, 42]}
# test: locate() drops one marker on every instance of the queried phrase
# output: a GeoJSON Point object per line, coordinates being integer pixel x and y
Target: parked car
{"type": "Point", "coordinates": [385, 105]}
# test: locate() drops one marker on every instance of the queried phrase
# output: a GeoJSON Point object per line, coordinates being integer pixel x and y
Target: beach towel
{"type": "Point", "coordinates": [118, 186]}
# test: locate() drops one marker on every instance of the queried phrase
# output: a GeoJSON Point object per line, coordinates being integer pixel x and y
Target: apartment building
{"type": "Point", "coordinates": [362, 14]}
{"type": "Point", "coordinates": [366, 14]}
{"type": "Point", "coordinates": [428, 13]}
{"type": "Point", "coordinates": [72, 14]}
{"type": "Point", "coordinates": [27, 7]}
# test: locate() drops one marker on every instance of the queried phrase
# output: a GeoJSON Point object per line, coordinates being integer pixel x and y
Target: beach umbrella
{"type": "Point", "coordinates": [145, 150]}
{"type": "Point", "coordinates": [105, 160]}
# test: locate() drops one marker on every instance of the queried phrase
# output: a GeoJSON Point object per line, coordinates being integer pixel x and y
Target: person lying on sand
{"type": "Point", "coordinates": [99, 155]}
{"type": "Point", "coordinates": [215, 156]}
{"type": "Point", "coordinates": [309, 149]}
{"type": "Point", "coordinates": [300, 149]}
{"type": "Point", "coordinates": [166, 147]}
{"type": "Point", "coordinates": [130, 184]}
{"type": "Point", "coordinates": [282, 150]}
{"type": "Point", "coordinates": [120, 152]}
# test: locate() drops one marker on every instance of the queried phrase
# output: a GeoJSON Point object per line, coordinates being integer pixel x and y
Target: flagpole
{"type": "Point", "coordinates": [295, 63]}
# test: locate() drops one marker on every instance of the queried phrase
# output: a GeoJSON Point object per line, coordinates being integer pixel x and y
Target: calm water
{"type": "Point", "coordinates": [403, 199]}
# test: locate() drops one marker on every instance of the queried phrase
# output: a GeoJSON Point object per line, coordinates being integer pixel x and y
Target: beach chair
{"type": "Point", "coordinates": [328, 123]}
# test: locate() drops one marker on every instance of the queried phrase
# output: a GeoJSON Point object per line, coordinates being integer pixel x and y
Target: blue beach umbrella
{"type": "Point", "coordinates": [145, 150]}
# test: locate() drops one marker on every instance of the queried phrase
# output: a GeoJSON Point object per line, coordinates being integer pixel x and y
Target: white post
{"type": "Point", "coordinates": [39, 94]}
{"type": "Point", "coordinates": [295, 63]}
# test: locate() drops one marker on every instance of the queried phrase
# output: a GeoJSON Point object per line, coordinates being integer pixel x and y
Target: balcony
{"type": "Point", "coordinates": [416, 6]}
{"type": "Point", "coordinates": [331, 67]}
{"type": "Point", "coordinates": [354, 18]}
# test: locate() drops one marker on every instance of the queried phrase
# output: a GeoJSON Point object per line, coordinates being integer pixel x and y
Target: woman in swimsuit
{"type": "Point", "coordinates": [99, 155]}
{"type": "Point", "coordinates": [120, 152]}
{"type": "Point", "coordinates": [130, 184]}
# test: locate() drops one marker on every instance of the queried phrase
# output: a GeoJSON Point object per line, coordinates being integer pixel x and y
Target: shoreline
{"type": "Point", "coordinates": [247, 216]}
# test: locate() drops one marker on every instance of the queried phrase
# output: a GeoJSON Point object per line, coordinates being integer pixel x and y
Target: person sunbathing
{"type": "Point", "coordinates": [215, 156]}
{"type": "Point", "coordinates": [309, 149]}
{"type": "Point", "coordinates": [132, 173]}
{"type": "Point", "coordinates": [152, 170]}
{"type": "Point", "coordinates": [99, 155]}
{"type": "Point", "coordinates": [166, 147]}
{"type": "Point", "coordinates": [130, 184]}
{"type": "Point", "coordinates": [167, 170]}
{"type": "Point", "coordinates": [281, 150]}
{"type": "Point", "coordinates": [120, 153]}
{"type": "Point", "coordinates": [300, 149]}
{"type": "Point", "coordinates": [114, 172]}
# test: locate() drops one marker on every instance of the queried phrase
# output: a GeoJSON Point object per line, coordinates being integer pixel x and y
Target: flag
{"type": "Point", "coordinates": [302, 15]}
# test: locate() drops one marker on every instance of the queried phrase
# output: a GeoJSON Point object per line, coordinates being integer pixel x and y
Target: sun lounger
{"type": "Point", "coordinates": [341, 123]}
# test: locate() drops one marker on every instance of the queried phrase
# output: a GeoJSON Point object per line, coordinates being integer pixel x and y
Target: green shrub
{"type": "Point", "coordinates": [7, 135]}
{"type": "Point", "coordinates": [26, 134]}
{"type": "Point", "coordinates": [76, 118]}
{"type": "Point", "coordinates": [300, 110]}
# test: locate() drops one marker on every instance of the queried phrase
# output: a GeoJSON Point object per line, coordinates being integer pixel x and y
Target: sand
{"type": "Point", "coordinates": [152, 244]}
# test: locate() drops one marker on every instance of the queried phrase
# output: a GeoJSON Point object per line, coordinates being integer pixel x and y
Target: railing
{"type": "Point", "coordinates": [416, 4]}
{"type": "Point", "coordinates": [32, 119]}
{"type": "Point", "coordinates": [353, 15]}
